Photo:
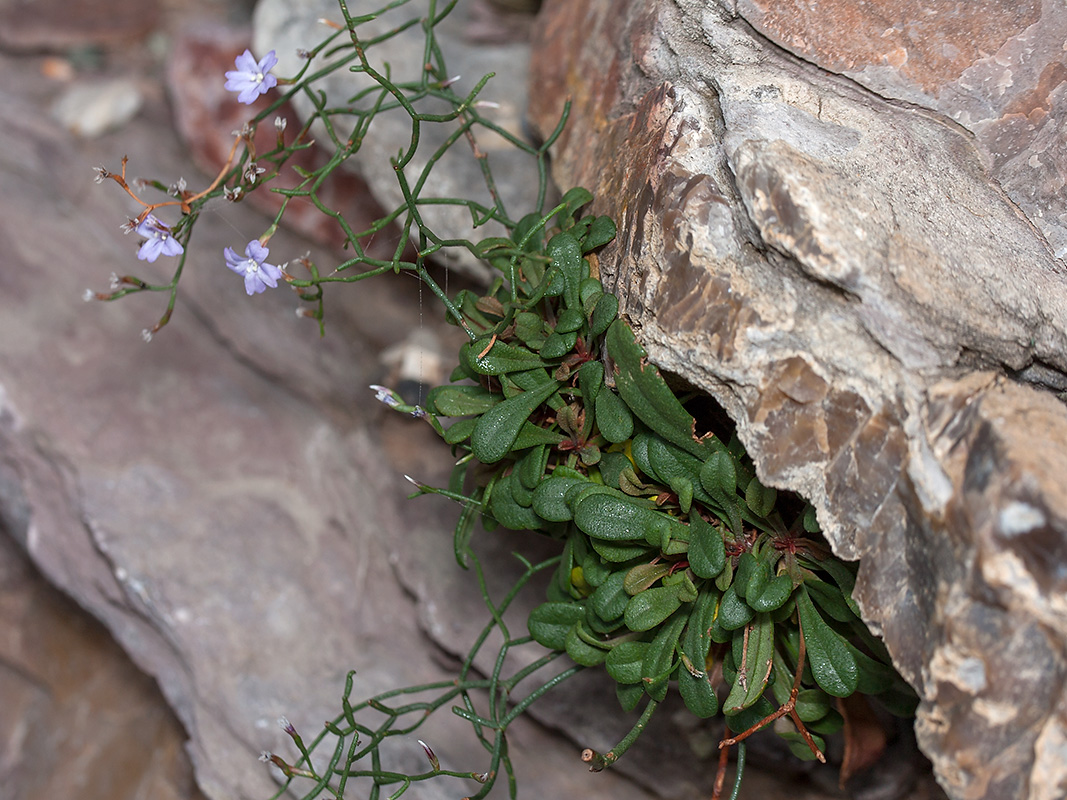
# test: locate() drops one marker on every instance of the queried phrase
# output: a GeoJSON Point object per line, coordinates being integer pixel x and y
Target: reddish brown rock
{"type": "Point", "coordinates": [32, 26]}
{"type": "Point", "coordinates": [836, 268]}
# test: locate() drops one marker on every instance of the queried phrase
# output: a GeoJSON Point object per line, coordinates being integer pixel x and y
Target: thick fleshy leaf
{"type": "Point", "coordinates": [550, 623]}
{"type": "Point", "coordinates": [760, 498]}
{"type": "Point", "coordinates": [774, 594]}
{"type": "Point", "coordinates": [733, 612]}
{"type": "Point", "coordinates": [613, 417]}
{"type": "Point", "coordinates": [629, 695]}
{"type": "Point", "coordinates": [604, 313]}
{"type": "Point", "coordinates": [548, 498]}
{"type": "Point", "coordinates": [558, 344]}
{"type": "Point", "coordinates": [829, 598]}
{"type": "Point", "coordinates": [707, 553]}
{"type": "Point", "coordinates": [590, 380]}
{"type": "Point", "coordinates": [601, 231]}
{"type": "Point", "coordinates": [660, 659]}
{"type": "Point", "coordinates": [620, 518]}
{"type": "Point", "coordinates": [625, 660]}
{"type": "Point", "coordinates": [580, 650]}
{"type": "Point", "coordinates": [645, 392]}
{"type": "Point", "coordinates": [755, 669]}
{"type": "Point", "coordinates": [813, 704]}
{"type": "Point", "coordinates": [507, 511]}
{"type": "Point", "coordinates": [610, 598]}
{"type": "Point", "coordinates": [618, 553]}
{"type": "Point", "coordinates": [694, 684]}
{"type": "Point", "coordinates": [531, 435]}
{"type": "Point", "coordinates": [719, 478]}
{"type": "Point", "coordinates": [501, 359]}
{"type": "Point", "coordinates": [566, 254]}
{"type": "Point", "coordinates": [498, 428]}
{"type": "Point", "coordinates": [460, 401]}
{"type": "Point", "coordinates": [832, 663]}
{"type": "Point", "coordinates": [648, 609]}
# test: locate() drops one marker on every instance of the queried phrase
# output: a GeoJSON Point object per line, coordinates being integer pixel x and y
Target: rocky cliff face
{"type": "Point", "coordinates": [847, 224]}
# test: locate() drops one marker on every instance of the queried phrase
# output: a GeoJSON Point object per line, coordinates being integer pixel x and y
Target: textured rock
{"type": "Point", "coordinates": [859, 284]}
{"type": "Point", "coordinates": [79, 719]}
{"type": "Point", "coordinates": [28, 26]}
{"type": "Point", "coordinates": [228, 499]}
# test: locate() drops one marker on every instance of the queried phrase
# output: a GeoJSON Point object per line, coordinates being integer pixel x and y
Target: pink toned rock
{"type": "Point", "coordinates": [28, 26]}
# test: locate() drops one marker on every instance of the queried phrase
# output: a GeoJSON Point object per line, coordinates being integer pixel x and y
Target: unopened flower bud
{"type": "Point", "coordinates": [431, 756]}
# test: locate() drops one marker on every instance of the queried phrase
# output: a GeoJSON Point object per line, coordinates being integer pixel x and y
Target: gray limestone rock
{"type": "Point", "coordinates": [868, 289]}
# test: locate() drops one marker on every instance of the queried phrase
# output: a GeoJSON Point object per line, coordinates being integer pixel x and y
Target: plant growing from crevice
{"type": "Point", "coordinates": [678, 568]}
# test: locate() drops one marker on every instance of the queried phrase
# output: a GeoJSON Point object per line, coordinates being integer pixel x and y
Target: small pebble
{"type": "Point", "coordinates": [92, 109]}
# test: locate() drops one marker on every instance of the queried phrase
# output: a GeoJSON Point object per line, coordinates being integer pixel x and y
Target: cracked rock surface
{"type": "Point", "coordinates": [846, 223]}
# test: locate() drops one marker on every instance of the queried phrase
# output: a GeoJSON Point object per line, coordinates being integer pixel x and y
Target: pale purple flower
{"type": "Point", "coordinates": [251, 79]}
{"type": "Point", "coordinates": [258, 274]}
{"type": "Point", "coordinates": [383, 394]}
{"type": "Point", "coordinates": [158, 240]}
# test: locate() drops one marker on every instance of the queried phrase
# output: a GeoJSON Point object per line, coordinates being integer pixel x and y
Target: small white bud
{"type": "Point", "coordinates": [146, 335]}
{"type": "Point", "coordinates": [88, 295]}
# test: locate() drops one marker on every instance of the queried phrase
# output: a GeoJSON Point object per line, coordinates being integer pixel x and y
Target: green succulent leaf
{"type": "Point", "coordinates": [566, 254]}
{"type": "Point", "coordinates": [774, 594]}
{"type": "Point", "coordinates": [550, 623]}
{"type": "Point", "coordinates": [648, 396]}
{"type": "Point", "coordinates": [707, 553]}
{"type": "Point", "coordinates": [501, 359]}
{"type": "Point", "coordinates": [760, 498]}
{"type": "Point", "coordinates": [460, 401]}
{"type": "Point", "coordinates": [733, 612]}
{"type": "Point", "coordinates": [617, 517]}
{"type": "Point", "coordinates": [579, 648]}
{"type": "Point", "coordinates": [604, 313]}
{"type": "Point", "coordinates": [558, 344]}
{"type": "Point", "coordinates": [813, 705]}
{"type": "Point", "coordinates": [601, 231]}
{"type": "Point", "coordinates": [660, 660]}
{"type": "Point", "coordinates": [629, 695]}
{"type": "Point", "coordinates": [755, 668]}
{"type": "Point", "coordinates": [590, 381]}
{"type": "Point", "coordinates": [549, 497]}
{"type": "Point", "coordinates": [832, 663]}
{"type": "Point", "coordinates": [498, 428]}
{"type": "Point", "coordinates": [613, 417]}
{"type": "Point", "coordinates": [460, 430]}
{"type": "Point", "coordinates": [647, 610]}
{"type": "Point", "coordinates": [610, 598]}
{"type": "Point", "coordinates": [625, 660]}
{"type": "Point", "coordinates": [694, 684]}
